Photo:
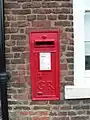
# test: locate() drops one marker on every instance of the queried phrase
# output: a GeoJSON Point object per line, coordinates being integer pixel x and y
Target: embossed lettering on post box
{"type": "Point", "coordinates": [45, 65]}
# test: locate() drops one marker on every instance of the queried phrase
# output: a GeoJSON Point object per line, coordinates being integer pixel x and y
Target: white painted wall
{"type": "Point", "coordinates": [81, 88]}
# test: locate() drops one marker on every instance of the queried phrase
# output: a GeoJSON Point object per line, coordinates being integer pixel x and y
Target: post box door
{"type": "Point", "coordinates": [45, 67]}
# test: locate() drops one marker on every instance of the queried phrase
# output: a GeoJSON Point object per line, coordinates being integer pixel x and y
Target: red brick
{"type": "Point", "coordinates": [21, 97]}
{"type": "Point", "coordinates": [42, 24]}
{"type": "Point", "coordinates": [31, 5]}
{"type": "Point", "coordinates": [37, 0]}
{"type": "Point", "coordinates": [65, 107]}
{"type": "Point", "coordinates": [41, 113]}
{"type": "Point", "coordinates": [41, 108]}
{"type": "Point", "coordinates": [41, 11]}
{"type": "Point", "coordinates": [62, 113]}
{"type": "Point", "coordinates": [11, 5]}
{"type": "Point", "coordinates": [10, 43]}
{"type": "Point", "coordinates": [52, 17]}
{"type": "Point", "coordinates": [32, 112]}
{"type": "Point", "coordinates": [62, 23]}
{"type": "Point", "coordinates": [61, 11]}
{"type": "Point", "coordinates": [72, 113]}
{"type": "Point", "coordinates": [18, 37]}
{"type": "Point", "coordinates": [23, 113]}
{"type": "Point", "coordinates": [10, 108]}
{"type": "Point", "coordinates": [8, 61]}
{"type": "Point", "coordinates": [50, 4]}
{"type": "Point", "coordinates": [21, 17]}
{"type": "Point", "coordinates": [16, 55]}
{"type": "Point", "coordinates": [60, 118]}
{"type": "Point", "coordinates": [9, 55]}
{"type": "Point", "coordinates": [80, 118]}
{"type": "Point", "coordinates": [31, 17]}
{"type": "Point", "coordinates": [7, 11]}
{"type": "Point", "coordinates": [21, 67]}
{"type": "Point", "coordinates": [22, 108]}
{"type": "Point", "coordinates": [18, 85]}
{"type": "Point", "coordinates": [11, 91]}
{"type": "Point", "coordinates": [63, 66]}
{"type": "Point", "coordinates": [62, 17]}
{"type": "Point", "coordinates": [7, 49]}
{"type": "Point", "coordinates": [22, 24]}
{"type": "Point", "coordinates": [63, 48]}
{"type": "Point", "coordinates": [63, 36]}
{"type": "Point", "coordinates": [70, 60]}
{"type": "Point", "coordinates": [54, 113]}
{"type": "Point", "coordinates": [24, 1]}
{"type": "Point", "coordinates": [40, 118]}
{"type": "Point", "coordinates": [21, 43]}
{"type": "Point", "coordinates": [71, 72]}
{"type": "Point", "coordinates": [70, 17]}
{"type": "Point", "coordinates": [69, 29]}
{"type": "Point", "coordinates": [14, 24]}
{"type": "Point", "coordinates": [7, 37]}
{"type": "Point", "coordinates": [66, 4]}
{"type": "Point", "coordinates": [41, 17]}
{"type": "Point", "coordinates": [38, 102]}
{"type": "Point", "coordinates": [69, 78]}
{"type": "Point", "coordinates": [14, 73]}
{"type": "Point", "coordinates": [22, 72]}
{"type": "Point", "coordinates": [70, 54]}
{"type": "Point", "coordinates": [21, 12]}
{"type": "Point", "coordinates": [11, 30]}
{"type": "Point", "coordinates": [18, 49]}
{"type": "Point", "coordinates": [11, 18]}
{"type": "Point", "coordinates": [22, 30]}
{"type": "Point", "coordinates": [17, 61]}
{"type": "Point", "coordinates": [71, 66]}
{"type": "Point", "coordinates": [71, 48]}
{"type": "Point", "coordinates": [58, 0]}
{"type": "Point", "coordinates": [7, 24]}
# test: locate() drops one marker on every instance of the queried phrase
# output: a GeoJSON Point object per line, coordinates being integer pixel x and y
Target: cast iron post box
{"type": "Point", "coordinates": [45, 65]}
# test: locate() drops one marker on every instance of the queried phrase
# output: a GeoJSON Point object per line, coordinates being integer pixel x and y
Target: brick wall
{"type": "Point", "coordinates": [22, 16]}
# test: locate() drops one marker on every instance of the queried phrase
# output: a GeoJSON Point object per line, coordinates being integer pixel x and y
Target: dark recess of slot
{"type": "Point", "coordinates": [44, 43]}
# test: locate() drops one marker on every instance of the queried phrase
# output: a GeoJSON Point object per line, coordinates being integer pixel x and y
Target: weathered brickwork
{"type": "Point", "coordinates": [22, 16]}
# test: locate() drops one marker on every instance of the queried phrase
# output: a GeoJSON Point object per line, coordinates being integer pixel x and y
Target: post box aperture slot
{"type": "Point", "coordinates": [44, 43]}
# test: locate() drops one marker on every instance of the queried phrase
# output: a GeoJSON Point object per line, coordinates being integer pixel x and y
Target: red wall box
{"type": "Point", "coordinates": [45, 65]}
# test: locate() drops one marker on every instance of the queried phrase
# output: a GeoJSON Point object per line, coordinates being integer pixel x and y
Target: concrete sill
{"type": "Point", "coordinates": [75, 92]}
